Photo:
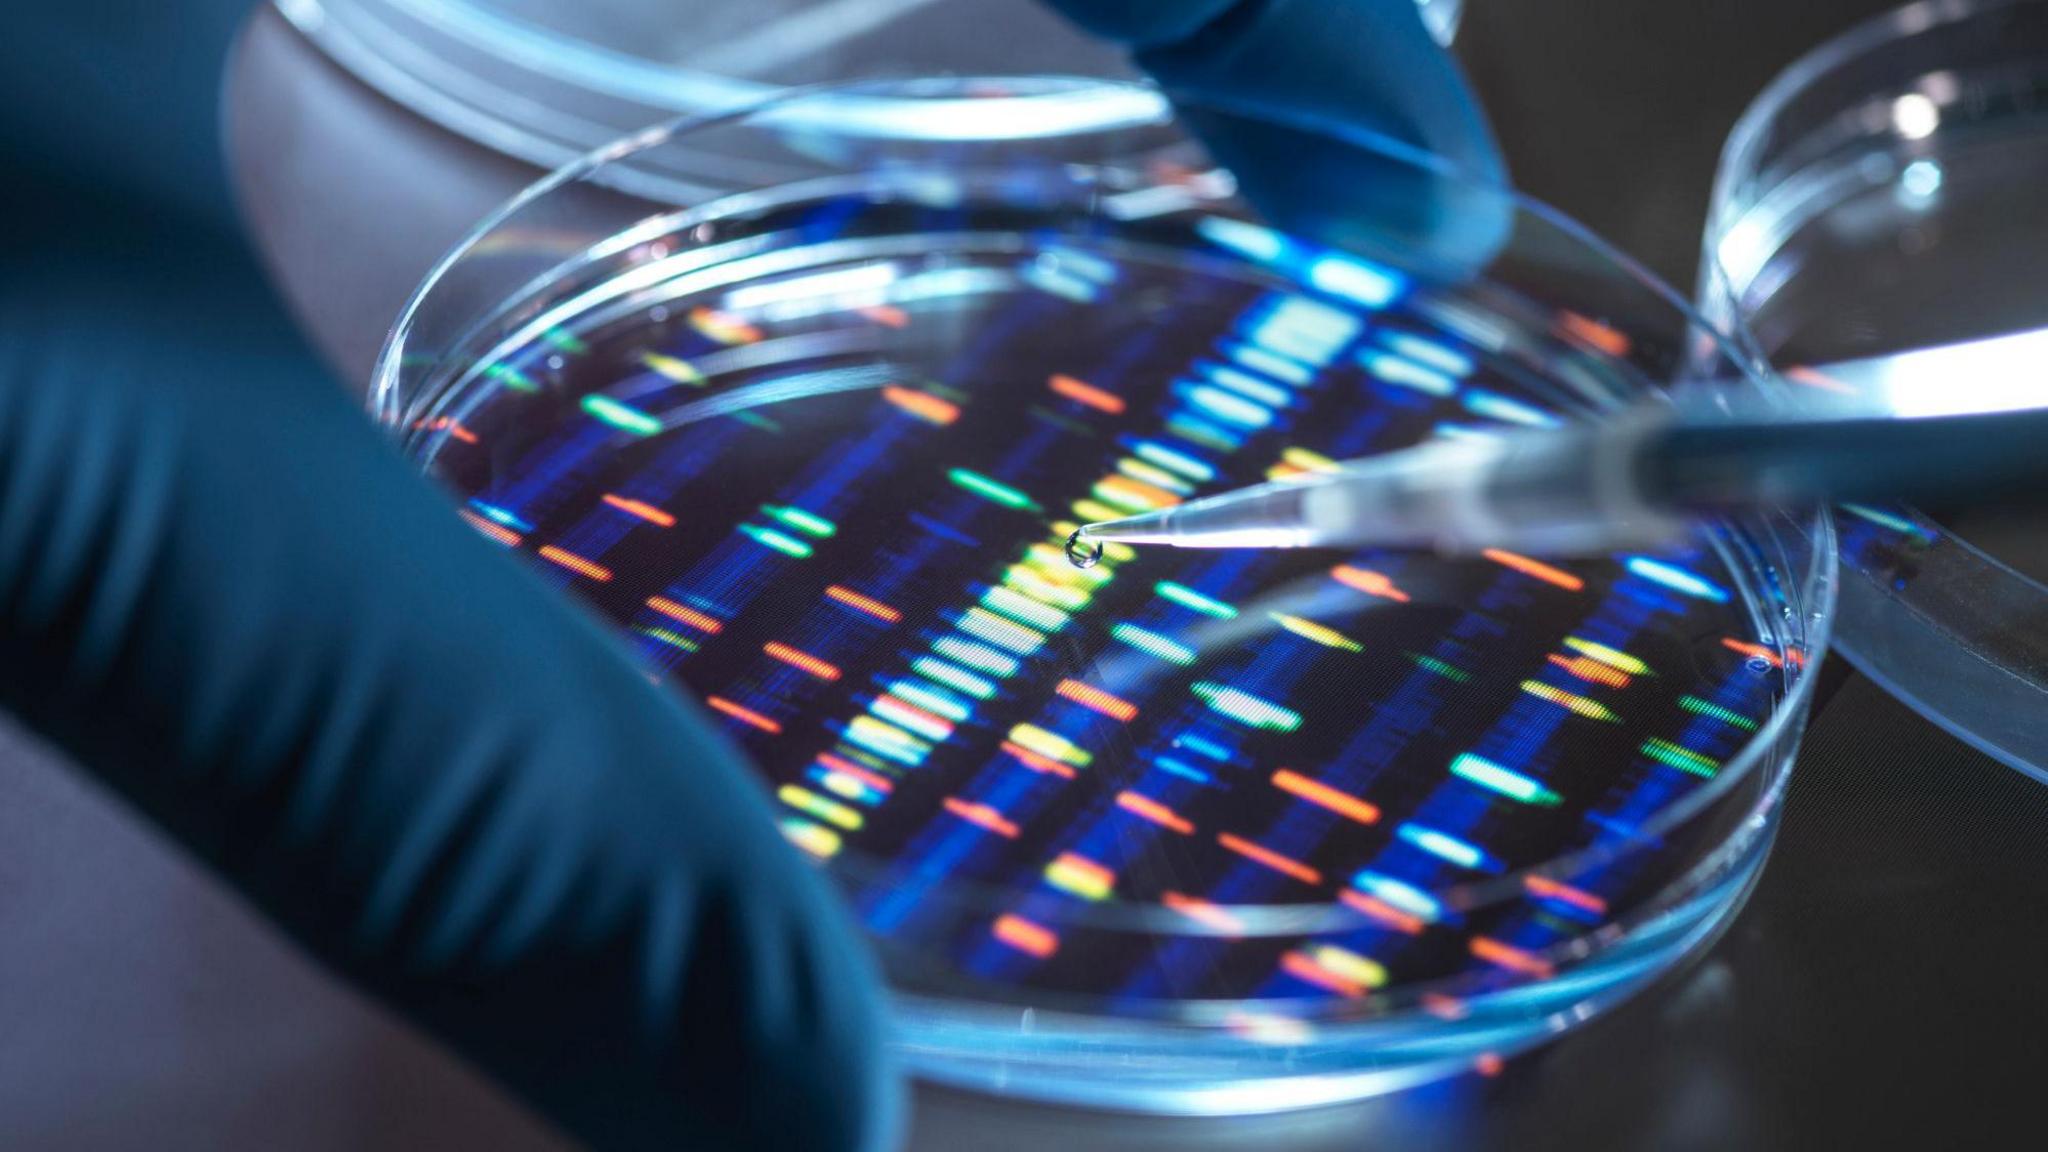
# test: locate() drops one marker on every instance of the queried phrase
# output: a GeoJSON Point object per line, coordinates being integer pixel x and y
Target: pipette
{"type": "Point", "coordinates": [1935, 424]}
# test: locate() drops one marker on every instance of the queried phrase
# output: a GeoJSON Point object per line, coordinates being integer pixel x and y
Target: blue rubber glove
{"type": "Point", "coordinates": [1328, 69]}
{"type": "Point", "coordinates": [230, 601]}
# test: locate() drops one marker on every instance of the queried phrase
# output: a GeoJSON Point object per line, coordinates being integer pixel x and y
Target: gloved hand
{"type": "Point", "coordinates": [230, 601]}
{"type": "Point", "coordinates": [1315, 106]}
{"type": "Point", "coordinates": [238, 607]}
{"type": "Point", "coordinates": [226, 596]}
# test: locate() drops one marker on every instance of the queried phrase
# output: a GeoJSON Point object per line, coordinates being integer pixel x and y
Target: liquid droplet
{"type": "Point", "coordinates": [1083, 552]}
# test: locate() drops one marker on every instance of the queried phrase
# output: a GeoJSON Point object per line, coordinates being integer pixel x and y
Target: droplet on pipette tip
{"type": "Point", "coordinates": [1083, 551]}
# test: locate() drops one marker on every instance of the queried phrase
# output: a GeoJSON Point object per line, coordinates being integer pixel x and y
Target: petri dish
{"type": "Point", "coordinates": [546, 81]}
{"type": "Point", "coordinates": [1234, 831]}
{"type": "Point", "coordinates": [1877, 197]}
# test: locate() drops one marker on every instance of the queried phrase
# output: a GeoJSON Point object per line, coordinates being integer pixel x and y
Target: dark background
{"type": "Point", "coordinates": [1883, 988]}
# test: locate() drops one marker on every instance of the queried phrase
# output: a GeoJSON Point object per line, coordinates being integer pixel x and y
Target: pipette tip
{"type": "Point", "coordinates": [1144, 528]}
{"type": "Point", "coordinates": [1083, 549]}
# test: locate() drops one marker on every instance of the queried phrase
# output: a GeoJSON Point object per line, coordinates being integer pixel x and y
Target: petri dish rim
{"type": "Point", "coordinates": [1773, 743]}
{"type": "Point", "coordinates": [1752, 128]}
{"type": "Point", "coordinates": [545, 94]}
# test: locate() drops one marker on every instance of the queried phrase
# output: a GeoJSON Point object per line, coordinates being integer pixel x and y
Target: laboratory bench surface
{"type": "Point", "coordinates": [1882, 989]}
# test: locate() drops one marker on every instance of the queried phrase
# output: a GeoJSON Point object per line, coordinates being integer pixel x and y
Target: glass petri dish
{"type": "Point", "coordinates": [1877, 197]}
{"type": "Point", "coordinates": [1223, 832]}
{"type": "Point", "coordinates": [546, 81]}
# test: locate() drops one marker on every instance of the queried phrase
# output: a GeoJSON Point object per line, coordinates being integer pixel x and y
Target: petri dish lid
{"type": "Point", "coordinates": [1880, 196]}
{"type": "Point", "coordinates": [547, 81]}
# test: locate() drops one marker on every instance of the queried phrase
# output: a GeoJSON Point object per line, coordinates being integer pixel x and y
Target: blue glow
{"type": "Point", "coordinates": [1207, 433]}
{"type": "Point", "coordinates": [979, 657]}
{"type": "Point", "coordinates": [1405, 373]}
{"type": "Point", "coordinates": [1174, 461]}
{"type": "Point", "coordinates": [1295, 344]}
{"type": "Point", "coordinates": [1354, 279]}
{"type": "Point", "coordinates": [1264, 391]}
{"type": "Point", "coordinates": [953, 676]}
{"type": "Point", "coordinates": [1428, 353]}
{"type": "Point", "coordinates": [1203, 746]}
{"type": "Point", "coordinates": [1261, 244]}
{"type": "Point", "coordinates": [886, 741]}
{"type": "Point", "coordinates": [932, 700]}
{"type": "Point", "coordinates": [1444, 846]}
{"type": "Point", "coordinates": [499, 515]}
{"type": "Point", "coordinates": [1677, 579]}
{"type": "Point", "coordinates": [1271, 363]}
{"type": "Point", "coordinates": [1405, 897]}
{"type": "Point", "coordinates": [1495, 406]}
{"type": "Point", "coordinates": [1228, 406]}
{"type": "Point", "coordinates": [1182, 769]}
{"type": "Point", "coordinates": [1305, 330]}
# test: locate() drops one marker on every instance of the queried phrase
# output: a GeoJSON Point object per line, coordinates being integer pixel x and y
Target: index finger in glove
{"type": "Point", "coordinates": [1343, 120]}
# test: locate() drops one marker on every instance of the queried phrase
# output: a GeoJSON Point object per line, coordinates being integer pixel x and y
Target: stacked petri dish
{"type": "Point", "coordinates": [1881, 196]}
{"type": "Point", "coordinates": [1234, 831]}
{"type": "Point", "coordinates": [547, 81]}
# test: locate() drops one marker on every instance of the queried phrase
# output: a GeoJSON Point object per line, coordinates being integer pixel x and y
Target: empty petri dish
{"type": "Point", "coordinates": [1225, 831]}
{"type": "Point", "coordinates": [1876, 198]}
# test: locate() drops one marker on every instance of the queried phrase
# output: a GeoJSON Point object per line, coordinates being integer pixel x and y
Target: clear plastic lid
{"type": "Point", "coordinates": [1883, 194]}
{"type": "Point", "coordinates": [546, 80]}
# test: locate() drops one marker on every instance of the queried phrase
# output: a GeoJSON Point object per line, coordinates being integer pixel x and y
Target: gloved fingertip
{"type": "Point", "coordinates": [1358, 193]}
{"type": "Point", "coordinates": [1369, 64]}
{"type": "Point", "coordinates": [1345, 123]}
